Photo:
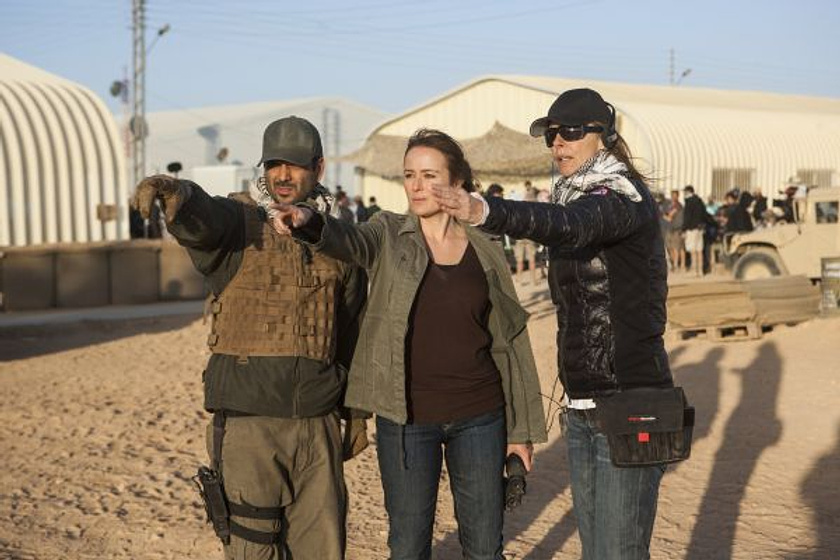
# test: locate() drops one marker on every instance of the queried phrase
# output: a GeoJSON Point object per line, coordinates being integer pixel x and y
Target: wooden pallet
{"type": "Point", "coordinates": [731, 332]}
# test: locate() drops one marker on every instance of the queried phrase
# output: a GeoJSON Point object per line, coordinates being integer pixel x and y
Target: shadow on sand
{"type": "Point", "coordinates": [752, 428]}
{"type": "Point", "coordinates": [820, 490]}
{"type": "Point", "coordinates": [17, 343]}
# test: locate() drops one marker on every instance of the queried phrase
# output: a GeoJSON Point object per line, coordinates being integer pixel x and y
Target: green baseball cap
{"type": "Point", "coordinates": [291, 139]}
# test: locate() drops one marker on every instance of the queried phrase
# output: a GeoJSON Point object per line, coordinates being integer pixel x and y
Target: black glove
{"type": "Point", "coordinates": [515, 481]}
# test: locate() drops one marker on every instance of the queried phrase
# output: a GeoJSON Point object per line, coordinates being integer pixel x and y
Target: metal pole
{"type": "Point", "coordinates": [325, 138]}
{"type": "Point", "coordinates": [126, 117]}
{"type": "Point", "coordinates": [671, 68]}
{"type": "Point", "coordinates": [142, 88]}
{"type": "Point", "coordinates": [337, 145]}
{"type": "Point", "coordinates": [331, 142]}
{"type": "Point", "coordinates": [138, 84]}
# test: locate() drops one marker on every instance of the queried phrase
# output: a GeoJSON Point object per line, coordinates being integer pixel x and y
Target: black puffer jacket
{"type": "Point", "coordinates": [608, 278]}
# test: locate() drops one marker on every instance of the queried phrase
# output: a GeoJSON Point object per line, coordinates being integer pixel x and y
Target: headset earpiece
{"type": "Point", "coordinates": [610, 136]}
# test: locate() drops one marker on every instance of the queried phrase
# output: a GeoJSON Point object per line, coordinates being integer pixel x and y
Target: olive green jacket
{"type": "Point", "coordinates": [391, 248]}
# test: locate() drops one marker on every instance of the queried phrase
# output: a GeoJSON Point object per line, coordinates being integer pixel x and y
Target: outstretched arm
{"type": "Point", "coordinates": [211, 228]}
{"type": "Point", "coordinates": [358, 244]}
{"type": "Point", "coordinates": [595, 218]}
{"type": "Point", "coordinates": [590, 220]}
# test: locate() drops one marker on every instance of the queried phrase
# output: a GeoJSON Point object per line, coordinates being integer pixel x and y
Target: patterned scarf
{"type": "Point", "coordinates": [603, 170]}
{"type": "Point", "coordinates": [319, 198]}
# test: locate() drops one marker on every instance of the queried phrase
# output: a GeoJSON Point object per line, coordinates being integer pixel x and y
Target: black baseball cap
{"type": "Point", "coordinates": [575, 106]}
{"type": "Point", "coordinates": [292, 139]}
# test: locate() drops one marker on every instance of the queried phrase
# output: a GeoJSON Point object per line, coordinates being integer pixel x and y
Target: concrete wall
{"type": "Point", "coordinates": [73, 275]}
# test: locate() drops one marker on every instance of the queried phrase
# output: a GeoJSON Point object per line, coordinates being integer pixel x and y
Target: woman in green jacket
{"type": "Point", "coordinates": [443, 358]}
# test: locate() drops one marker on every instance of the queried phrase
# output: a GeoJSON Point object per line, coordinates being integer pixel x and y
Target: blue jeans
{"type": "Point", "coordinates": [410, 463]}
{"type": "Point", "coordinates": [615, 507]}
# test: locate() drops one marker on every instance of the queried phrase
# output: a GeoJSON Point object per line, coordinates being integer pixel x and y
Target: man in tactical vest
{"type": "Point", "coordinates": [284, 326]}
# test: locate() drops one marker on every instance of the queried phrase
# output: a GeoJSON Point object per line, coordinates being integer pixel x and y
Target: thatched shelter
{"type": "Point", "coordinates": [501, 154]}
{"type": "Point", "coordinates": [381, 154]}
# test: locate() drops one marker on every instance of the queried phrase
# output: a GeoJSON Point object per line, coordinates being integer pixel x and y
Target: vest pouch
{"type": "Point", "coordinates": [646, 426]}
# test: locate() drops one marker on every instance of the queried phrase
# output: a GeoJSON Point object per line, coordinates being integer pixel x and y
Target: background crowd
{"type": "Point", "coordinates": [741, 211]}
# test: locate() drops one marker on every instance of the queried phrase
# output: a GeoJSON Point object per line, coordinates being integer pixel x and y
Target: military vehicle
{"type": "Point", "coordinates": [790, 248]}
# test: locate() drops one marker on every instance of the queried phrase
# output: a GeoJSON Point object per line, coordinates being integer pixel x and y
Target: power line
{"type": "Point", "coordinates": [345, 26]}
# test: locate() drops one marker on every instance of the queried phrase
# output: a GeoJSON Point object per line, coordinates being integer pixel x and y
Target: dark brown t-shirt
{"type": "Point", "coordinates": [451, 374]}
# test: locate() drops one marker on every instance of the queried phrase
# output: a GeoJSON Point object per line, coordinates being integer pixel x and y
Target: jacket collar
{"type": "Point", "coordinates": [474, 235]}
{"type": "Point", "coordinates": [511, 317]}
{"type": "Point", "coordinates": [411, 224]}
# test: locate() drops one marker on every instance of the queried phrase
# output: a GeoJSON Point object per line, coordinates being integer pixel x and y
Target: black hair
{"type": "Point", "coordinates": [456, 162]}
{"type": "Point", "coordinates": [495, 189]}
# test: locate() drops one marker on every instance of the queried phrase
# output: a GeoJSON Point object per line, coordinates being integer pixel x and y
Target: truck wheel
{"type": "Point", "coordinates": [756, 264]}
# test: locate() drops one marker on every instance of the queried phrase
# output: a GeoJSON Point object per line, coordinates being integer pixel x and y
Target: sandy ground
{"type": "Point", "coordinates": [102, 428]}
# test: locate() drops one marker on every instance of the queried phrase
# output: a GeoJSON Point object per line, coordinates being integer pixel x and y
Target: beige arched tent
{"type": "Point", "coordinates": [61, 161]}
{"type": "Point", "coordinates": [712, 139]}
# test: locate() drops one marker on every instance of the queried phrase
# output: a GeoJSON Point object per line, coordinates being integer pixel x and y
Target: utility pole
{"type": "Point", "coordinates": [126, 119]}
{"type": "Point", "coordinates": [138, 84]}
{"type": "Point", "coordinates": [671, 68]}
{"type": "Point", "coordinates": [331, 127]}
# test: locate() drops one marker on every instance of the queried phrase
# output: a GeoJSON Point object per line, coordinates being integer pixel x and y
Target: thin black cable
{"type": "Point", "coordinates": [561, 408]}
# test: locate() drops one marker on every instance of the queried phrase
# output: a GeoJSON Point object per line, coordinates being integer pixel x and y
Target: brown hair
{"type": "Point", "coordinates": [622, 153]}
{"type": "Point", "coordinates": [457, 164]}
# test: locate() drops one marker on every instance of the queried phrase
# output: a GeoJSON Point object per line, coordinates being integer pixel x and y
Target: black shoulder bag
{"type": "Point", "coordinates": [646, 426]}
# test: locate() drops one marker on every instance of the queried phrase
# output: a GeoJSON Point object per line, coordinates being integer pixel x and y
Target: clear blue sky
{"type": "Point", "coordinates": [395, 54]}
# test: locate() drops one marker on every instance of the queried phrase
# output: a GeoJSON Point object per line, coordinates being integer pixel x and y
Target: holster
{"type": "Point", "coordinates": [219, 509]}
{"type": "Point", "coordinates": [209, 483]}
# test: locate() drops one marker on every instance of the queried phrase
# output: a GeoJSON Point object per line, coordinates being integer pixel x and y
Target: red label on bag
{"type": "Point", "coordinates": [644, 437]}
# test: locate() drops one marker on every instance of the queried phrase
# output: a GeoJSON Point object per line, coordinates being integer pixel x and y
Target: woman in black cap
{"type": "Point", "coordinates": [608, 279]}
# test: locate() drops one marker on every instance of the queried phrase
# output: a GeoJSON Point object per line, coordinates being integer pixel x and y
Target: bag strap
{"type": "Point", "coordinates": [252, 535]}
{"type": "Point", "coordinates": [254, 512]}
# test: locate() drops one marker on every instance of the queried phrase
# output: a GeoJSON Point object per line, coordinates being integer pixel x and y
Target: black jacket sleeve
{"type": "Point", "coordinates": [593, 219]}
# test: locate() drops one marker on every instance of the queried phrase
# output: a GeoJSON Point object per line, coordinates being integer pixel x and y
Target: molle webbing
{"type": "Point", "coordinates": [281, 301]}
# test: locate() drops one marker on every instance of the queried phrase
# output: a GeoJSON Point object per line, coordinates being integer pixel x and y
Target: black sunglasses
{"type": "Point", "coordinates": [569, 132]}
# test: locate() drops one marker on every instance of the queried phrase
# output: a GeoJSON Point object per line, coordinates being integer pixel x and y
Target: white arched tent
{"type": "Point", "coordinates": [712, 139]}
{"type": "Point", "coordinates": [61, 164]}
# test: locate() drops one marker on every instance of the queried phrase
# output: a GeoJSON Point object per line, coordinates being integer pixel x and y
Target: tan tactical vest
{"type": "Point", "coordinates": [281, 301]}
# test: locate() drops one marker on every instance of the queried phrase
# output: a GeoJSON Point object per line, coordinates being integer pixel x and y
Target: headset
{"type": "Point", "coordinates": [609, 136]}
